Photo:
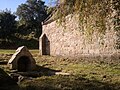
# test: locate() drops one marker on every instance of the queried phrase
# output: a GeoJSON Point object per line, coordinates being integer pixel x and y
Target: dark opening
{"type": "Point", "coordinates": [45, 45]}
{"type": "Point", "coordinates": [24, 64]}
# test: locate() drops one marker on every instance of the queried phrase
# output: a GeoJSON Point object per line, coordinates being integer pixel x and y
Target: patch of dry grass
{"type": "Point", "coordinates": [84, 75]}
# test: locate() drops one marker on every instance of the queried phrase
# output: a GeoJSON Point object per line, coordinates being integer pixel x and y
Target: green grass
{"type": "Point", "coordinates": [84, 75]}
{"type": "Point", "coordinates": [4, 51]}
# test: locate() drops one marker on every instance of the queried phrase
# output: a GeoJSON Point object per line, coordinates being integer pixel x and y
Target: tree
{"type": "Point", "coordinates": [31, 14]}
{"type": "Point", "coordinates": [7, 24]}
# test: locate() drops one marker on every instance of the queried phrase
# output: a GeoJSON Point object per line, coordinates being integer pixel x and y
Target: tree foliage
{"type": "Point", "coordinates": [31, 14]}
{"type": "Point", "coordinates": [7, 24]}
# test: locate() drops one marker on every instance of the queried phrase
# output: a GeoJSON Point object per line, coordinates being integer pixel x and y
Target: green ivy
{"type": "Point", "coordinates": [93, 15]}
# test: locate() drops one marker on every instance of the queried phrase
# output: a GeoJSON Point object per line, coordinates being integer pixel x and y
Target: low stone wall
{"type": "Point", "coordinates": [69, 41]}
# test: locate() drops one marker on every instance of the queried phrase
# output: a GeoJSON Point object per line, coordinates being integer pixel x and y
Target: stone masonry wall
{"type": "Point", "coordinates": [70, 42]}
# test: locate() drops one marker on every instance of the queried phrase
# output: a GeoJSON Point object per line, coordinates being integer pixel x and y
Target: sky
{"type": "Point", "coordinates": [13, 4]}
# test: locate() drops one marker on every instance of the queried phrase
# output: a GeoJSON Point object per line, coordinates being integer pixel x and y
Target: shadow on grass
{"type": "Point", "coordinates": [50, 81]}
{"type": "Point", "coordinates": [60, 82]}
{"type": "Point", "coordinates": [40, 71]}
{"type": "Point", "coordinates": [46, 71]}
{"type": "Point", "coordinates": [3, 62]}
{"type": "Point", "coordinates": [6, 82]}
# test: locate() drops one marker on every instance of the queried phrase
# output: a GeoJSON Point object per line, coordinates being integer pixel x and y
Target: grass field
{"type": "Point", "coordinates": [4, 51]}
{"type": "Point", "coordinates": [83, 75]}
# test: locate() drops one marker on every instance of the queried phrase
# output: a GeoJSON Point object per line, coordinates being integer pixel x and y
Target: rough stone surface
{"type": "Point", "coordinates": [70, 42]}
{"type": "Point", "coordinates": [22, 60]}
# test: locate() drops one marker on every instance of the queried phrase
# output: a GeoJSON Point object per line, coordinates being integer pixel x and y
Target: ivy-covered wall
{"type": "Point", "coordinates": [69, 41]}
{"type": "Point", "coordinates": [94, 36]}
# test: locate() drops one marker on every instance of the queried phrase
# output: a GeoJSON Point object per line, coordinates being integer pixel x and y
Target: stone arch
{"type": "Point", "coordinates": [44, 45]}
{"type": "Point", "coordinates": [22, 60]}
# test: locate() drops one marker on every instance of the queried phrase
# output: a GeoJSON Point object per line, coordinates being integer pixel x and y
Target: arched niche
{"type": "Point", "coordinates": [22, 60]}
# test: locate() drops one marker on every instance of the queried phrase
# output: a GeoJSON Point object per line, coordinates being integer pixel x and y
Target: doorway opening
{"type": "Point", "coordinates": [45, 45]}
